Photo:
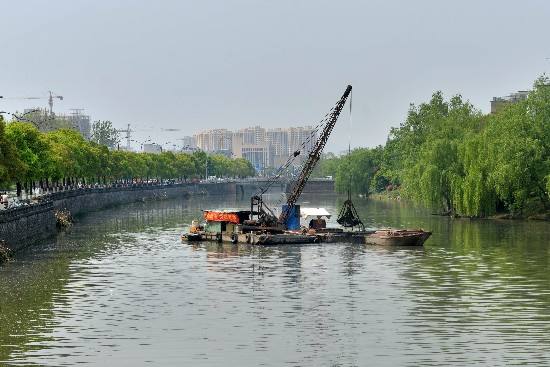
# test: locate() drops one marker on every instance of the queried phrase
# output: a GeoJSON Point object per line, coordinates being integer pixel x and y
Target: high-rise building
{"type": "Point", "coordinates": [188, 143]}
{"type": "Point", "coordinates": [259, 155]}
{"type": "Point", "coordinates": [152, 148]}
{"type": "Point", "coordinates": [278, 138]}
{"type": "Point", "coordinates": [80, 122]}
{"type": "Point", "coordinates": [301, 138]}
{"type": "Point", "coordinates": [251, 135]}
{"type": "Point", "coordinates": [262, 147]}
{"type": "Point", "coordinates": [498, 103]}
{"type": "Point", "coordinates": [46, 121]}
{"type": "Point", "coordinates": [215, 140]}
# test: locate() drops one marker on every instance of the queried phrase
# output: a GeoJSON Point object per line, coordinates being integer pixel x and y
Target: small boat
{"type": "Point", "coordinates": [397, 237]}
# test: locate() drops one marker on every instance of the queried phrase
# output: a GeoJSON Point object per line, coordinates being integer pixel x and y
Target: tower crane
{"type": "Point", "coordinates": [128, 132]}
{"type": "Point", "coordinates": [264, 214]}
{"type": "Point", "coordinates": [50, 98]}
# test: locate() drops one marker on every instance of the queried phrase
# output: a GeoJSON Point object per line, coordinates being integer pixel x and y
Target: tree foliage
{"type": "Point", "coordinates": [63, 157]}
{"type": "Point", "coordinates": [449, 156]}
{"type": "Point", "coordinates": [103, 133]}
{"type": "Point", "coordinates": [11, 166]}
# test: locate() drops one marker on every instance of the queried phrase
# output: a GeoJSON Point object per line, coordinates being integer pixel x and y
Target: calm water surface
{"type": "Point", "coordinates": [120, 289]}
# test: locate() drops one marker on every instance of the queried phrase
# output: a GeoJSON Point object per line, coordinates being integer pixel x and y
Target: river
{"type": "Point", "coordinates": [120, 289]}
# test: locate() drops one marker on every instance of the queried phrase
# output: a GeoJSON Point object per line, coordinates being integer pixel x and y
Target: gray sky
{"type": "Point", "coordinates": [211, 64]}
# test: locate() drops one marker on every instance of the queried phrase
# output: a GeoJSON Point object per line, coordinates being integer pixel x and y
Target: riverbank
{"type": "Point", "coordinates": [532, 212]}
{"type": "Point", "coordinates": [24, 225]}
{"type": "Point", "coordinates": [5, 253]}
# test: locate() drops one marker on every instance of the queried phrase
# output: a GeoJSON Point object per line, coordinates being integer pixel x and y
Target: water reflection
{"type": "Point", "coordinates": [120, 289]}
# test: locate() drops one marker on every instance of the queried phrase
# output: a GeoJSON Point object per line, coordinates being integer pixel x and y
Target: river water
{"type": "Point", "coordinates": [120, 289]}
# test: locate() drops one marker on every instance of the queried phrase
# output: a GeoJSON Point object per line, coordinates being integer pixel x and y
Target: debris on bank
{"type": "Point", "coordinates": [5, 252]}
{"type": "Point", "coordinates": [63, 218]}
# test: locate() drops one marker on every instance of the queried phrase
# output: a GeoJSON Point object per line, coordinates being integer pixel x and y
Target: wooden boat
{"type": "Point", "coordinates": [397, 237]}
{"type": "Point", "coordinates": [334, 235]}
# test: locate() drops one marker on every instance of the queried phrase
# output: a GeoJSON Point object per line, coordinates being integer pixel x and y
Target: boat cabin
{"type": "Point", "coordinates": [224, 225]}
{"type": "Point", "coordinates": [224, 220]}
{"type": "Point", "coordinates": [315, 218]}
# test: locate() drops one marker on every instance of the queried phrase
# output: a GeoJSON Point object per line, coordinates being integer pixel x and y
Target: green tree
{"type": "Point", "coordinates": [518, 141]}
{"type": "Point", "coordinates": [33, 150]}
{"type": "Point", "coordinates": [104, 133]}
{"type": "Point", "coordinates": [357, 170]}
{"type": "Point", "coordinates": [11, 166]}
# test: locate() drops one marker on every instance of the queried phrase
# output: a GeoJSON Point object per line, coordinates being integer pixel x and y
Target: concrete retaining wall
{"type": "Point", "coordinates": [24, 225]}
{"type": "Point", "coordinates": [20, 225]}
{"type": "Point", "coordinates": [86, 200]}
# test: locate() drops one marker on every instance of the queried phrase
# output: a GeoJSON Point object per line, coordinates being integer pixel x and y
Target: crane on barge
{"type": "Point", "coordinates": [264, 215]}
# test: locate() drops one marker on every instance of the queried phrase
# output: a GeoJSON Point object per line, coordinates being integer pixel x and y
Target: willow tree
{"type": "Point", "coordinates": [476, 196]}
{"type": "Point", "coordinates": [518, 140]}
{"type": "Point", "coordinates": [434, 173]}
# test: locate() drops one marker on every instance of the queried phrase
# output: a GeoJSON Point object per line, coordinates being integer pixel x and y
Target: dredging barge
{"type": "Point", "coordinates": [236, 227]}
{"type": "Point", "coordinates": [260, 226]}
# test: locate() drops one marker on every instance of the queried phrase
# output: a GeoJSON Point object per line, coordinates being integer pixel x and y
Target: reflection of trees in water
{"type": "Point", "coordinates": [485, 278]}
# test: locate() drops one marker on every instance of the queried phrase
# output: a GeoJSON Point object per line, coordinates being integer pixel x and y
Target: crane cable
{"type": "Point", "coordinates": [348, 216]}
{"type": "Point", "coordinates": [349, 141]}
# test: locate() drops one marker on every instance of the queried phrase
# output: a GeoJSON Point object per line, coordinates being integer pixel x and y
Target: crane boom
{"type": "Point", "coordinates": [314, 156]}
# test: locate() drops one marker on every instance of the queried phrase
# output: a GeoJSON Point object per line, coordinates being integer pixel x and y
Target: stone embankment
{"type": "Point", "coordinates": [23, 225]}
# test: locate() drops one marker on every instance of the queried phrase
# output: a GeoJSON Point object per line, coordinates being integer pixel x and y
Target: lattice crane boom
{"type": "Point", "coordinates": [314, 156]}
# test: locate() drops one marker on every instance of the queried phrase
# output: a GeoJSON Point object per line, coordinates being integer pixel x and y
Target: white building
{"type": "Point", "coordinates": [152, 148]}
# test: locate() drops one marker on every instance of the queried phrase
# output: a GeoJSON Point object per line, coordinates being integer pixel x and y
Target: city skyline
{"type": "Point", "coordinates": [83, 122]}
{"type": "Point", "coordinates": [263, 147]}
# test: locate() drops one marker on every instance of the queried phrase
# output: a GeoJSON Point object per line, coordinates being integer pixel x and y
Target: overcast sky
{"type": "Point", "coordinates": [228, 64]}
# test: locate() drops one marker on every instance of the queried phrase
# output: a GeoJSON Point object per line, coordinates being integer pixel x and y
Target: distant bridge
{"type": "Point", "coordinates": [314, 186]}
